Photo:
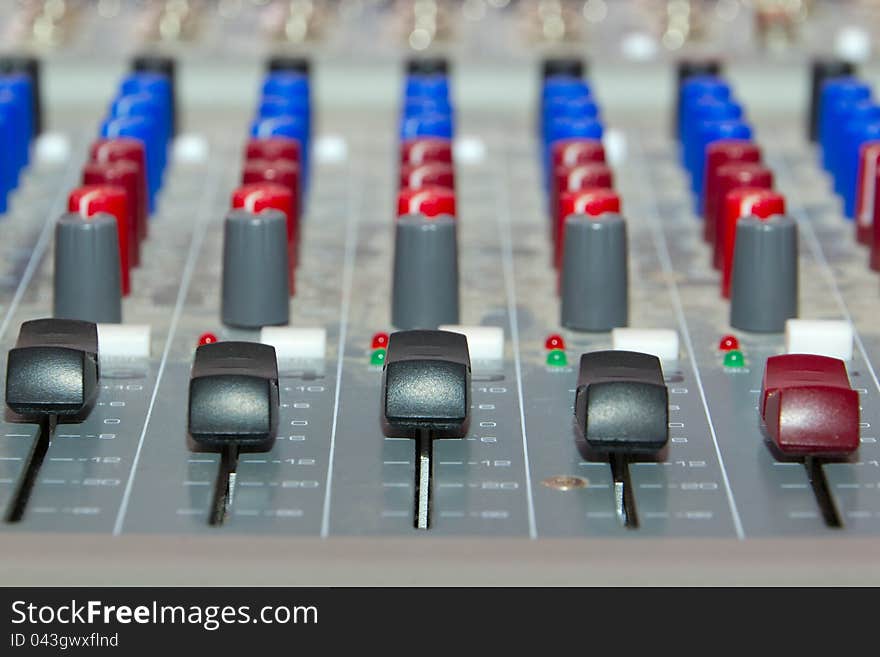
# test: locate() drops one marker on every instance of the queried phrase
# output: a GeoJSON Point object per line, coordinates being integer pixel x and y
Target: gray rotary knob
{"type": "Point", "coordinates": [87, 274]}
{"type": "Point", "coordinates": [255, 278]}
{"type": "Point", "coordinates": [425, 293]}
{"type": "Point", "coordinates": [764, 282]}
{"type": "Point", "coordinates": [595, 281]}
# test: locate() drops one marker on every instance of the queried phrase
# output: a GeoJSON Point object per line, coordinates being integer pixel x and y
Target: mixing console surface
{"type": "Point", "coordinates": [675, 470]}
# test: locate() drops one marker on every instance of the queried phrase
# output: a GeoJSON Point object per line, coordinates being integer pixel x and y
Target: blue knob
{"type": "Point", "coordinates": [272, 106]}
{"type": "Point", "coordinates": [564, 85]}
{"type": "Point", "coordinates": [695, 87]}
{"type": "Point", "coordinates": [433, 85]}
{"type": "Point", "coordinates": [289, 84]}
{"type": "Point", "coordinates": [707, 133]}
{"type": "Point", "coordinates": [152, 106]}
{"type": "Point", "coordinates": [849, 114]}
{"type": "Point", "coordinates": [7, 159]}
{"type": "Point", "coordinates": [565, 127]}
{"type": "Point", "coordinates": [17, 140]}
{"type": "Point", "coordinates": [415, 105]}
{"type": "Point", "coordinates": [284, 125]}
{"type": "Point", "coordinates": [856, 133]}
{"type": "Point", "coordinates": [145, 129]}
{"type": "Point", "coordinates": [22, 87]}
{"type": "Point", "coordinates": [426, 125]}
{"type": "Point", "coordinates": [157, 84]}
{"type": "Point", "coordinates": [581, 107]}
{"type": "Point", "coordinates": [706, 108]}
{"type": "Point", "coordinates": [837, 95]}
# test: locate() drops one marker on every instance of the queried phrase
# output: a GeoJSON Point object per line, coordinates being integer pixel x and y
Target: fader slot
{"type": "Point", "coordinates": [624, 498]}
{"type": "Point", "coordinates": [33, 463]}
{"type": "Point", "coordinates": [424, 479]}
{"type": "Point", "coordinates": [822, 491]}
{"type": "Point", "coordinates": [224, 486]}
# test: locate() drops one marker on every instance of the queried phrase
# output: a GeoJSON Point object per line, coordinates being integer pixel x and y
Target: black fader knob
{"type": "Point", "coordinates": [622, 410]}
{"type": "Point", "coordinates": [233, 407]}
{"type": "Point", "coordinates": [53, 368]}
{"type": "Point", "coordinates": [51, 373]}
{"type": "Point", "coordinates": [426, 384]}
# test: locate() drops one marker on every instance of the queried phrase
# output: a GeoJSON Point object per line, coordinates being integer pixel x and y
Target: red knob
{"type": "Point", "coordinates": [571, 152]}
{"type": "Point", "coordinates": [257, 197]}
{"type": "Point", "coordinates": [434, 174]}
{"type": "Point", "coordinates": [425, 150]}
{"type": "Point", "coordinates": [128, 150]}
{"type": "Point", "coordinates": [869, 157]}
{"type": "Point", "coordinates": [718, 154]}
{"type": "Point", "coordinates": [280, 171]}
{"type": "Point", "coordinates": [127, 175]}
{"type": "Point", "coordinates": [744, 202]}
{"type": "Point", "coordinates": [730, 176]}
{"type": "Point", "coordinates": [90, 200]}
{"type": "Point", "coordinates": [592, 202]}
{"type": "Point", "coordinates": [429, 201]}
{"type": "Point", "coordinates": [272, 148]}
{"type": "Point", "coordinates": [583, 176]}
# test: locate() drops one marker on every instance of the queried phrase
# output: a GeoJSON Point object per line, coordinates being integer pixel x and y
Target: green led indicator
{"type": "Point", "coordinates": [377, 357]}
{"type": "Point", "coordinates": [556, 358]}
{"type": "Point", "coordinates": [734, 359]}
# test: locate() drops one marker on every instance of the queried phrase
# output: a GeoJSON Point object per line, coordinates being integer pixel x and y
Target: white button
{"type": "Point", "coordinates": [52, 148]}
{"type": "Point", "coordinates": [484, 342]}
{"type": "Point", "coordinates": [331, 149]}
{"type": "Point", "coordinates": [662, 343]}
{"type": "Point", "coordinates": [469, 150]}
{"type": "Point", "coordinates": [118, 341]}
{"type": "Point", "coordinates": [295, 343]}
{"type": "Point", "coordinates": [191, 149]}
{"type": "Point", "coordinates": [824, 337]}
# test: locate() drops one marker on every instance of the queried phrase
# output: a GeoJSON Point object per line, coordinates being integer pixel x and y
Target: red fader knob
{"type": "Point", "coordinates": [257, 197]}
{"type": "Point", "coordinates": [90, 200]}
{"type": "Point", "coordinates": [425, 150]}
{"type": "Point", "coordinates": [575, 151]}
{"type": "Point", "coordinates": [434, 174]}
{"type": "Point", "coordinates": [127, 175]}
{"type": "Point", "coordinates": [128, 150]}
{"type": "Point", "coordinates": [429, 201]}
{"type": "Point", "coordinates": [280, 171]}
{"type": "Point", "coordinates": [718, 154]}
{"type": "Point", "coordinates": [591, 202]}
{"type": "Point", "coordinates": [808, 406]}
{"type": "Point", "coordinates": [729, 177]}
{"type": "Point", "coordinates": [866, 192]}
{"type": "Point", "coordinates": [743, 202]}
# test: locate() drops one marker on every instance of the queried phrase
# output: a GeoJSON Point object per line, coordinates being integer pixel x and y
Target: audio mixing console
{"type": "Point", "coordinates": [439, 292]}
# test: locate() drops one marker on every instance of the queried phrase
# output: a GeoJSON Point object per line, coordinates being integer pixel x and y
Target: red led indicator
{"type": "Point", "coordinates": [728, 343]}
{"type": "Point", "coordinates": [207, 338]}
{"type": "Point", "coordinates": [380, 341]}
{"type": "Point", "coordinates": [554, 342]}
